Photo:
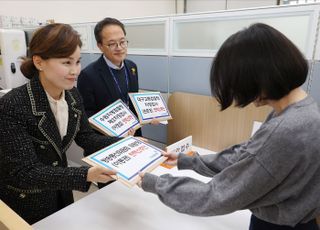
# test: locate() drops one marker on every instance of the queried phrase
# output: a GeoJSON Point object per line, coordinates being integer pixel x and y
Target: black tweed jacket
{"type": "Point", "coordinates": [35, 179]}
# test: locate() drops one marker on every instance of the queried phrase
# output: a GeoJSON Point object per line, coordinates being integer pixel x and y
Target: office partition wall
{"type": "Point", "coordinates": [174, 53]}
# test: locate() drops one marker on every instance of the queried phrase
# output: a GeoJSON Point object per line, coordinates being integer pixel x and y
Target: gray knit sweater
{"type": "Point", "coordinates": [276, 174]}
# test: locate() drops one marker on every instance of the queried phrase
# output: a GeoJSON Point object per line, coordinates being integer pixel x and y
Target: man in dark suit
{"type": "Point", "coordinates": [112, 76]}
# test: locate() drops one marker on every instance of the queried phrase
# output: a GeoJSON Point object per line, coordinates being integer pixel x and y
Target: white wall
{"type": "Point", "coordinates": [235, 4]}
{"type": "Point", "coordinates": [205, 5]}
{"type": "Point", "coordinates": [213, 5]}
{"type": "Point", "coordinates": [77, 11]}
{"type": "Point", "coordinates": [86, 11]}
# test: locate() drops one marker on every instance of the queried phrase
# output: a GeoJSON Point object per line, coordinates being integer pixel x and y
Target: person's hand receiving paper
{"type": "Point", "coordinates": [172, 161]}
{"type": "Point", "coordinates": [172, 158]}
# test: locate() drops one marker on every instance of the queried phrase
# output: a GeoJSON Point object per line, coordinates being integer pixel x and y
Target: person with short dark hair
{"type": "Point", "coordinates": [112, 76]}
{"type": "Point", "coordinates": [98, 29]}
{"type": "Point", "coordinates": [276, 173]}
{"type": "Point", "coordinates": [38, 123]}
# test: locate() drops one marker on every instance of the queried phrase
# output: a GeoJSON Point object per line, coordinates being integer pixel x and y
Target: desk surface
{"type": "Point", "coordinates": [121, 208]}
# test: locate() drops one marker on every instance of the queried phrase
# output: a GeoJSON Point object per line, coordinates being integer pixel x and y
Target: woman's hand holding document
{"type": "Point", "coordinates": [100, 174]}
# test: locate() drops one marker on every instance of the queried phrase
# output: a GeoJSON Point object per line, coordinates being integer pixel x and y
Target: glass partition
{"type": "Point", "coordinates": [202, 35]}
{"type": "Point", "coordinates": [147, 37]}
{"type": "Point", "coordinates": [84, 31]}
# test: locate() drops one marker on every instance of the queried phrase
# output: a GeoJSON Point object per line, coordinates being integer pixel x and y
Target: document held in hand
{"type": "Point", "coordinates": [115, 120]}
{"type": "Point", "coordinates": [128, 157]}
{"type": "Point", "coordinates": [149, 106]}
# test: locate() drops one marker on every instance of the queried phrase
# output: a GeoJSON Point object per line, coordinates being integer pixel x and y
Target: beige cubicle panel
{"type": "Point", "coordinates": [200, 116]}
{"type": "Point", "coordinates": [11, 220]}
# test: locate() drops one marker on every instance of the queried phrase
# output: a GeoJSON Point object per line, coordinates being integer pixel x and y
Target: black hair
{"type": "Point", "coordinates": [106, 22]}
{"type": "Point", "coordinates": [258, 62]}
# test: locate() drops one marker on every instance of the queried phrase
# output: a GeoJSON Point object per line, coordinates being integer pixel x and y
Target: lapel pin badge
{"type": "Point", "coordinates": [133, 71]}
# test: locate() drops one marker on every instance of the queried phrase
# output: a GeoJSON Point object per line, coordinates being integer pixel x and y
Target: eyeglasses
{"type": "Point", "coordinates": [115, 45]}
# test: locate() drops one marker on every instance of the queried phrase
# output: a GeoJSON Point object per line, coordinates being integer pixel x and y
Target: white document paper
{"type": "Point", "coordinates": [128, 157]}
{"type": "Point", "coordinates": [150, 106]}
{"type": "Point", "coordinates": [115, 120]}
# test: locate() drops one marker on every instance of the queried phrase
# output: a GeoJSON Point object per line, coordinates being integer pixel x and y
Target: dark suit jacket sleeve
{"type": "Point", "coordinates": [86, 88]}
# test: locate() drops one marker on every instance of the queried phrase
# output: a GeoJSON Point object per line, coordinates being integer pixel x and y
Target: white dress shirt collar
{"type": "Point", "coordinates": [111, 65]}
{"type": "Point", "coordinates": [60, 111]}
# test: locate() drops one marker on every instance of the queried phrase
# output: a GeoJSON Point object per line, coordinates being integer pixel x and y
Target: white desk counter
{"type": "Point", "coordinates": [120, 208]}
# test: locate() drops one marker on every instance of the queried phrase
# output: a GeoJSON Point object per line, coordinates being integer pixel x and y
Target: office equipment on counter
{"type": "Point", "coordinates": [12, 48]}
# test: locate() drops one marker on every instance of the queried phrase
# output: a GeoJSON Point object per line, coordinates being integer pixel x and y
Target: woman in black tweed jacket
{"type": "Point", "coordinates": [35, 180]}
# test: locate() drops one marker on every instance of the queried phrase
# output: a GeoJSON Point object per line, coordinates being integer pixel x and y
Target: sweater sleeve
{"type": "Point", "coordinates": [211, 164]}
{"type": "Point", "coordinates": [236, 187]}
{"type": "Point", "coordinates": [239, 179]}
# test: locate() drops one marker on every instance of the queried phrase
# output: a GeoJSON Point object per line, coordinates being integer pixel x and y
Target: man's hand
{"type": "Point", "coordinates": [131, 132]}
{"type": "Point", "coordinates": [154, 122]}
